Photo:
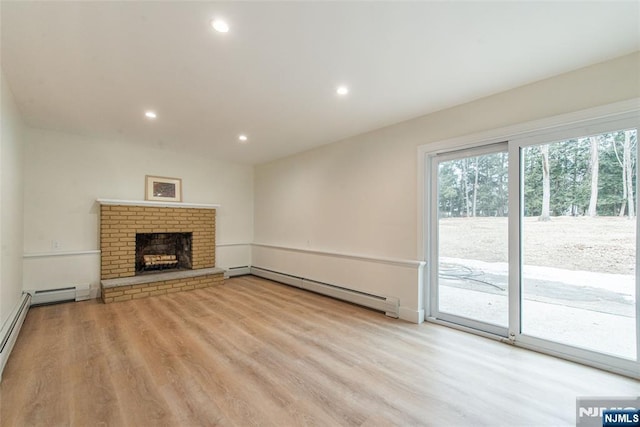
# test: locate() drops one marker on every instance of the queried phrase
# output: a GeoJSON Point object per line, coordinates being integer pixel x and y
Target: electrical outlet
{"type": "Point", "coordinates": [55, 244]}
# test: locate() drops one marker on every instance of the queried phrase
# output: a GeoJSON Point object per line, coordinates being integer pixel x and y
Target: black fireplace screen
{"type": "Point", "coordinates": [163, 251]}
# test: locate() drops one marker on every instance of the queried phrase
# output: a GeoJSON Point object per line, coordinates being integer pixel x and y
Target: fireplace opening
{"type": "Point", "coordinates": [156, 252]}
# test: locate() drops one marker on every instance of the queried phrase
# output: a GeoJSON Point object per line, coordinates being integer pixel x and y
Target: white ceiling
{"type": "Point", "coordinates": [93, 68]}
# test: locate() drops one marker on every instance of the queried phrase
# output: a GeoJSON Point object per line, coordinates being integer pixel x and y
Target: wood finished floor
{"type": "Point", "coordinates": [253, 352]}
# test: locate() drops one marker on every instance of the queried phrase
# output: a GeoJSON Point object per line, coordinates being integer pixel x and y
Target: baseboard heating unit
{"type": "Point", "coordinates": [389, 305]}
{"type": "Point", "coordinates": [11, 328]}
{"type": "Point", "coordinates": [55, 296]}
{"type": "Point", "coordinates": [237, 271]}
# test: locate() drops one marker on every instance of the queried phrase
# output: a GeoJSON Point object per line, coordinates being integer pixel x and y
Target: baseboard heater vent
{"type": "Point", "coordinates": [10, 330]}
{"type": "Point", "coordinates": [237, 271]}
{"type": "Point", "coordinates": [389, 305]}
{"type": "Point", "coordinates": [60, 295]}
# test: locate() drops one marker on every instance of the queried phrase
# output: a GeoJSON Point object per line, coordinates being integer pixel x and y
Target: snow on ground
{"type": "Point", "coordinates": [620, 283]}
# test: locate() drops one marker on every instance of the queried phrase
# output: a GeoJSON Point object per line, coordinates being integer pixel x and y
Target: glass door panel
{"type": "Point", "coordinates": [472, 238]}
{"type": "Point", "coordinates": [578, 243]}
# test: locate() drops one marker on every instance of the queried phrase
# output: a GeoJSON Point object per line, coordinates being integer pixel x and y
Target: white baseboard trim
{"type": "Point", "coordinates": [411, 315]}
{"type": "Point", "coordinates": [95, 292]}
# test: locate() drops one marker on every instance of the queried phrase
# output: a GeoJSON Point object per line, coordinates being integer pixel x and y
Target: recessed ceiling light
{"type": "Point", "coordinates": [243, 138]}
{"type": "Point", "coordinates": [150, 114]}
{"type": "Point", "coordinates": [220, 26]}
{"type": "Point", "coordinates": [342, 90]}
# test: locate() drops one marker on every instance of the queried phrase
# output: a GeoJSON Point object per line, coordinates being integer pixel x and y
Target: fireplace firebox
{"type": "Point", "coordinates": [157, 252]}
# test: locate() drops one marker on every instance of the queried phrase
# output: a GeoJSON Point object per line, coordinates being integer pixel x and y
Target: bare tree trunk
{"type": "Point", "coordinates": [466, 187]}
{"type": "Point", "coordinates": [475, 186]}
{"type": "Point", "coordinates": [594, 166]}
{"type": "Point", "coordinates": [624, 180]}
{"type": "Point", "coordinates": [621, 213]}
{"type": "Point", "coordinates": [628, 174]}
{"type": "Point", "coordinates": [501, 189]}
{"type": "Point", "coordinates": [546, 184]}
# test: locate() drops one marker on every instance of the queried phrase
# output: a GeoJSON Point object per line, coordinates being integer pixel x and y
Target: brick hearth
{"type": "Point", "coordinates": [114, 290]}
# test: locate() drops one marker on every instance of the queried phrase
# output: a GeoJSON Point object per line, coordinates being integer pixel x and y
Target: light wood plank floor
{"type": "Point", "coordinates": [253, 352]}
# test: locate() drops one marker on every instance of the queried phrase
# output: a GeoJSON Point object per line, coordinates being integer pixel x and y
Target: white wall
{"type": "Point", "coordinates": [11, 210]}
{"type": "Point", "coordinates": [65, 174]}
{"type": "Point", "coordinates": [359, 196]}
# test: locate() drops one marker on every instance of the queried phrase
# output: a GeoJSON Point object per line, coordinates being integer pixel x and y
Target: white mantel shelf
{"type": "Point", "coordinates": [156, 204]}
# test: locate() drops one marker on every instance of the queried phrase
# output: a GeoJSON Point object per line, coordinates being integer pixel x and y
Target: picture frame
{"type": "Point", "coordinates": [163, 189]}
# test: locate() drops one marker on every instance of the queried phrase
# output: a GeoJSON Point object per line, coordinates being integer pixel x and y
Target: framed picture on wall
{"type": "Point", "coordinates": [163, 189]}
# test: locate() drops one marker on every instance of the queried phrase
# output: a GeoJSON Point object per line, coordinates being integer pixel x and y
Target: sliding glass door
{"type": "Point", "coordinates": [471, 271]}
{"type": "Point", "coordinates": [579, 242]}
{"type": "Point", "coordinates": [535, 239]}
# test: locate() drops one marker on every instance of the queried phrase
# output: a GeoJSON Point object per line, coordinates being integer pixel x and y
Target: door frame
{"type": "Point", "coordinates": [433, 290]}
{"type": "Point", "coordinates": [584, 122]}
{"type": "Point", "coordinates": [516, 145]}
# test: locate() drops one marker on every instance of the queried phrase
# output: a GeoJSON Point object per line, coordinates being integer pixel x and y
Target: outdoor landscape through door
{"type": "Point", "coordinates": [471, 283]}
{"type": "Point", "coordinates": [578, 231]}
{"type": "Point", "coordinates": [535, 239]}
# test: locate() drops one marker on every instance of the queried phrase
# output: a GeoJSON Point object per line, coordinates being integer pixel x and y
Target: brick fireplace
{"type": "Point", "coordinates": [120, 224]}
